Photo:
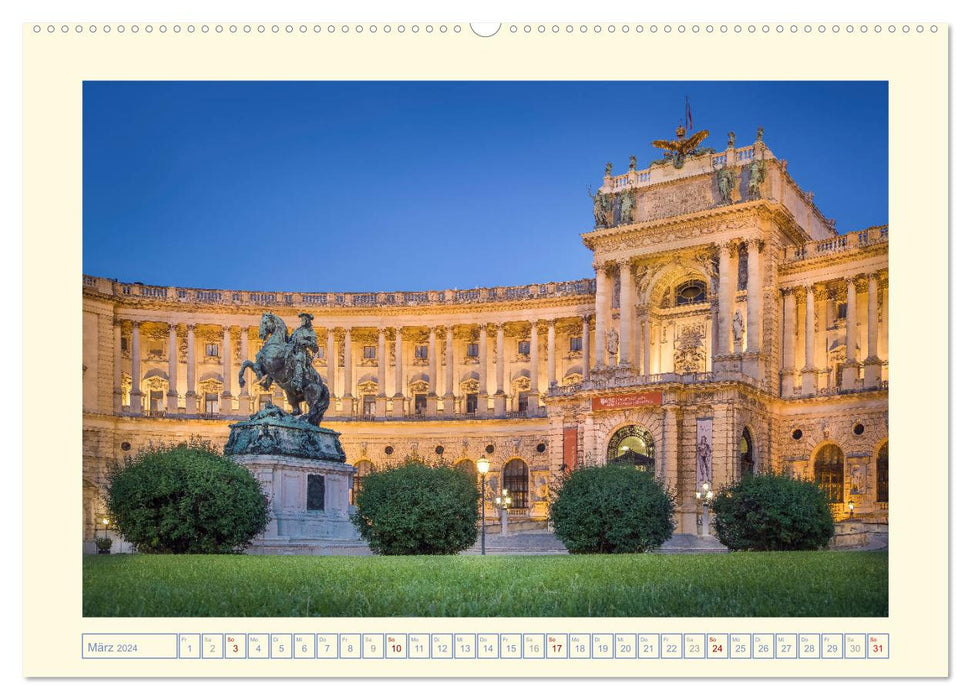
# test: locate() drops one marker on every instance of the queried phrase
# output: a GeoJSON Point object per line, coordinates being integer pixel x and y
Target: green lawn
{"type": "Point", "coordinates": [800, 584]}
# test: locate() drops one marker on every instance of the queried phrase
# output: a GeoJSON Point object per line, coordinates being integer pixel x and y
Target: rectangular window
{"type": "Point", "coordinates": [421, 404]}
{"type": "Point", "coordinates": [523, 402]}
{"type": "Point", "coordinates": [576, 344]}
{"type": "Point", "coordinates": [421, 352]}
{"type": "Point", "coordinates": [471, 403]}
{"type": "Point", "coordinates": [523, 347]}
{"type": "Point", "coordinates": [124, 344]}
{"type": "Point", "coordinates": [212, 349]}
{"type": "Point", "coordinates": [472, 350]}
{"type": "Point", "coordinates": [212, 404]}
{"type": "Point", "coordinates": [155, 348]}
{"type": "Point", "coordinates": [265, 400]}
{"type": "Point", "coordinates": [155, 401]}
{"type": "Point", "coordinates": [315, 492]}
{"type": "Point", "coordinates": [369, 406]}
{"type": "Point", "coordinates": [370, 352]}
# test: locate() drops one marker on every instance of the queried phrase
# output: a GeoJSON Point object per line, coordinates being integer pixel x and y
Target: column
{"type": "Point", "coordinates": [172, 396]}
{"type": "Point", "coordinates": [449, 373]}
{"type": "Point", "coordinates": [331, 371]}
{"type": "Point", "coordinates": [191, 397]}
{"type": "Point", "coordinates": [626, 314]}
{"type": "Point", "coordinates": [433, 362]}
{"type": "Point", "coordinates": [245, 407]}
{"type": "Point", "coordinates": [499, 400]}
{"type": "Point", "coordinates": [603, 317]}
{"type": "Point", "coordinates": [226, 403]}
{"type": "Point", "coordinates": [851, 369]}
{"type": "Point", "coordinates": [585, 347]}
{"type": "Point", "coordinates": [753, 302]}
{"type": "Point", "coordinates": [398, 401]}
{"type": "Point", "coordinates": [116, 367]}
{"type": "Point", "coordinates": [809, 369]}
{"type": "Point", "coordinates": [347, 401]}
{"type": "Point", "coordinates": [136, 369]}
{"type": "Point", "coordinates": [533, 397]}
{"type": "Point", "coordinates": [483, 405]}
{"type": "Point", "coordinates": [550, 355]}
{"type": "Point", "coordinates": [381, 402]}
{"type": "Point", "coordinates": [726, 293]}
{"type": "Point", "coordinates": [788, 339]}
{"type": "Point", "coordinates": [872, 366]}
{"type": "Point", "coordinates": [646, 345]}
{"type": "Point", "coordinates": [668, 472]}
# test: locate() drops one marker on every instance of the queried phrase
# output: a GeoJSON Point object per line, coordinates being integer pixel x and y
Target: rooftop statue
{"type": "Point", "coordinates": [603, 204]}
{"type": "Point", "coordinates": [287, 360]}
{"type": "Point", "coordinates": [677, 151]}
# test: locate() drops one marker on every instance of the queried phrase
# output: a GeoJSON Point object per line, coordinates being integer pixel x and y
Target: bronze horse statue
{"type": "Point", "coordinates": [286, 360]}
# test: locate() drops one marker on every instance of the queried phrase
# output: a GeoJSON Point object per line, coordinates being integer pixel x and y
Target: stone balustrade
{"type": "Point", "coordinates": [854, 240]}
{"type": "Point", "coordinates": [357, 300]}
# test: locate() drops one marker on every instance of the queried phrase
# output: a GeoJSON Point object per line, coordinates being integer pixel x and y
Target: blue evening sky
{"type": "Point", "coordinates": [347, 186]}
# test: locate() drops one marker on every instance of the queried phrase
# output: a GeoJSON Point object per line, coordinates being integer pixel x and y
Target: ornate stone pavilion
{"type": "Point", "coordinates": [726, 310]}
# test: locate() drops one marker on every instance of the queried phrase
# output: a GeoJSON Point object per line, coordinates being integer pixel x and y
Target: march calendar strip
{"type": "Point", "coordinates": [487, 646]}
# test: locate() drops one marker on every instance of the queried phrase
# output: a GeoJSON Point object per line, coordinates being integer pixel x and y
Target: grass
{"type": "Point", "coordinates": [769, 584]}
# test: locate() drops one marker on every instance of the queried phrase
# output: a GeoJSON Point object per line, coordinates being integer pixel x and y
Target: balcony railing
{"type": "Point", "coordinates": [855, 240]}
{"type": "Point", "coordinates": [242, 298]}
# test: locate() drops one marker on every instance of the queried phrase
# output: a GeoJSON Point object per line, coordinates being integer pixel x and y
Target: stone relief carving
{"type": "Point", "coordinates": [726, 184]}
{"type": "Point", "coordinates": [628, 203]}
{"type": "Point", "coordinates": [689, 352]}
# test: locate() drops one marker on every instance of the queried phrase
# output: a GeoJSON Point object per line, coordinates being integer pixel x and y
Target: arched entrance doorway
{"type": "Point", "coordinates": [746, 454]}
{"type": "Point", "coordinates": [633, 445]}
{"type": "Point", "coordinates": [828, 470]}
{"type": "Point", "coordinates": [515, 479]}
{"type": "Point", "coordinates": [364, 467]}
{"type": "Point", "coordinates": [883, 474]}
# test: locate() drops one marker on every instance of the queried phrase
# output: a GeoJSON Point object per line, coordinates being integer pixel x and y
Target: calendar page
{"type": "Point", "coordinates": [520, 349]}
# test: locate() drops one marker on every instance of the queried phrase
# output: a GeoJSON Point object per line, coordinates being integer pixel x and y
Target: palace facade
{"type": "Point", "coordinates": [729, 329]}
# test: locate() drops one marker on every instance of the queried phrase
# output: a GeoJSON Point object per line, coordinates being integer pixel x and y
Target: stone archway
{"type": "Point", "coordinates": [632, 444]}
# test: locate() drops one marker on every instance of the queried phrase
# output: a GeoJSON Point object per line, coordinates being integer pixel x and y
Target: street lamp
{"type": "Point", "coordinates": [482, 464]}
{"type": "Point", "coordinates": [704, 498]}
{"type": "Point", "coordinates": [502, 505]}
{"type": "Point", "coordinates": [851, 506]}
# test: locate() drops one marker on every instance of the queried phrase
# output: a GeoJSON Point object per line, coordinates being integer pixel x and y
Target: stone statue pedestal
{"type": "Point", "coordinates": [302, 472]}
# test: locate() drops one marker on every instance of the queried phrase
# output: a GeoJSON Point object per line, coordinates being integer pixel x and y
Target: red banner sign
{"type": "Point", "coordinates": [608, 403]}
{"type": "Point", "coordinates": [569, 449]}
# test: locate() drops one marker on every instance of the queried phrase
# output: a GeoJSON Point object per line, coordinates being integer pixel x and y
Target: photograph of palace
{"type": "Point", "coordinates": [723, 313]}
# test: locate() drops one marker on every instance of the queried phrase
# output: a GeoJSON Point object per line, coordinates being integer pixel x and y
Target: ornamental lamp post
{"type": "Point", "coordinates": [502, 505]}
{"type": "Point", "coordinates": [704, 498]}
{"type": "Point", "coordinates": [482, 464]}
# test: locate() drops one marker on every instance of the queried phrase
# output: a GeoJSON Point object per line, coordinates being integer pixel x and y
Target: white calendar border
{"type": "Point", "coordinates": [53, 70]}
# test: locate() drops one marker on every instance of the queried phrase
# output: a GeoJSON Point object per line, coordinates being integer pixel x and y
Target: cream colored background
{"type": "Point", "coordinates": [915, 64]}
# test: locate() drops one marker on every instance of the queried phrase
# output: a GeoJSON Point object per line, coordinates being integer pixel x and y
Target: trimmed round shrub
{"type": "Point", "coordinates": [772, 512]}
{"type": "Point", "coordinates": [616, 508]}
{"type": "Point", "coordinates": [418, 509]}
{"type": "Point", "coordinates": [186, 499]}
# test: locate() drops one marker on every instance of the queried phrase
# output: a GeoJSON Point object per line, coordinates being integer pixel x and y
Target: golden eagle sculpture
{"type": "Point", "coordinates": [678, 151]}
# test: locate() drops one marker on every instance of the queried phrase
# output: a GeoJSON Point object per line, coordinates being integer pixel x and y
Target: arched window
{"type": "Point", "coordinates": [828, 468]}
{"type": "Point", "coordinates": [883, 474]}
{"type": "Point", "coordinates": [632, 444]}
{"type": "Point", "coordinates": [515, 479]}
{"type": "Point", "coordinates": [746, 454]}
{"type": "Point", "coordinates": [364, 467]}
{"type": "Point", "coordinates": [692, 292]}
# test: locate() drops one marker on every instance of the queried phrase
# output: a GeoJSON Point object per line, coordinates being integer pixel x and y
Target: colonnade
{"type": "Point", "coordinates": [803, 315]}
{"type": "Point", "coordinates": [389, 397]}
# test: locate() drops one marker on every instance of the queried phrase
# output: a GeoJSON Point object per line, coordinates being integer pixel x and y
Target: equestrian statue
{"type": "Point", "coordinates": [287, 359]}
